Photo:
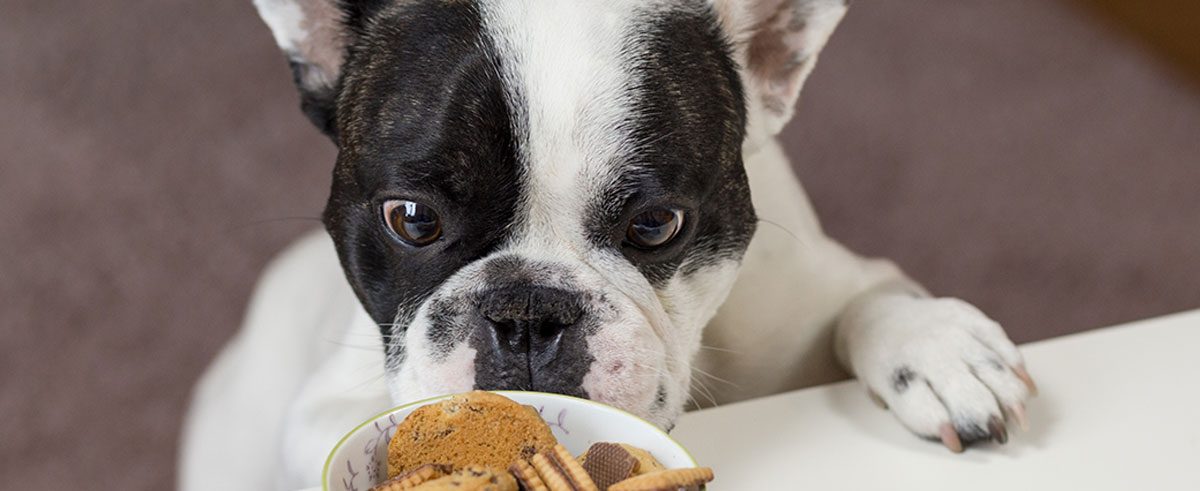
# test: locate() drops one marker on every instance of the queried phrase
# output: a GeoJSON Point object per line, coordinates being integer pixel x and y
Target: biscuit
{"type": "Point", "coordinates": [559, 471]}
{"type": "Point", "coordinates": [411, 479]}
{"type": "Point", "coordinates": [554, 478]}
{"type": "Point", "coordinates": [645, 462]}
{"type": "Point", "coordinates": [608, 464]}
{"type": "Point", "coordinates": [477, 428]}
{"type": "Point", "coordinates": [579, 478]}
{"type": "Point", "coordinates": [527, 476]}
{"type": "Point", "coordinates": [666, 480]}
{"type": "Point", "coordinates": [471, 478]}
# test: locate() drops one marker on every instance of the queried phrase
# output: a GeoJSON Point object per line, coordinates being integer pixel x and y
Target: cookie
{"type": "Point", "coordinates": [477, 428]}
{"type": "Point", "coordinates": [646, 463]}
{"type": "Point", "coordinates": [666, 480]}
{"type": "Point", "coordinates": [411, 479]}
{"type": "Point", "coordinates": [579, 478]}
{"type": "Point", "coordinates": [471, 478]}
{"type": "Point", "coordinates": [559, 471]}
{"type": "Point", "coordinates": [527, 477]}
{"type": "Point", "coordinates": [553, 477]}
{"type": "Point", "coordinates": [608, 464]}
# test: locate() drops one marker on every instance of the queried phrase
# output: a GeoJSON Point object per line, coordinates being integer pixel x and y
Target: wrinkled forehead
{"type": "Point", "coordinates": [568, 99]}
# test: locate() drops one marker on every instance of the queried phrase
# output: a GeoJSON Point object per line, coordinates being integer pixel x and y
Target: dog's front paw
{"type": "Point", "coordinates": [946, 370]}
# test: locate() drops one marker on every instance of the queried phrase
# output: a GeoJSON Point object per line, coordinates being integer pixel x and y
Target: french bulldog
{"type": "Point", "coordinates": [582, 197]}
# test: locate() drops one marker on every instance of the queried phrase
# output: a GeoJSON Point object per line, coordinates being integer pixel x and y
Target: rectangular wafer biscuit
{"type": "Point", "coordinates": [666, 480]}
{"type": "Point", "coordinates": [527, 476]}
{"type": "Point", "coordinates": [554, 477]}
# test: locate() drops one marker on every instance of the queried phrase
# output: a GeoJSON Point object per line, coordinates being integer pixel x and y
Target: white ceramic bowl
{"type": "Point", "coordinates": [359, 460]}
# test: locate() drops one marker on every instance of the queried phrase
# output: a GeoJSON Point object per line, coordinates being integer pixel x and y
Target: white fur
{"type": "Point", "coordinates": [571, 83]}
{"type": "Point", "coordinates": [563, 65]}
{"type": "Point", "coordinates": [948, 343]}
{"type": "Point", "coordinates": [304, 360]}
{"type": "Point", "coordinates": [286, 20]}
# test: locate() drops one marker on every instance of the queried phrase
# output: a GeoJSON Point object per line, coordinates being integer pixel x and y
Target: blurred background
{"type": "Point", "coordinates": [1040, 158]}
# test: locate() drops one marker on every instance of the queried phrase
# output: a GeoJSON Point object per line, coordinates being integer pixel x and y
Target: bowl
{"type": "Point", "coordinates": [359, 460]}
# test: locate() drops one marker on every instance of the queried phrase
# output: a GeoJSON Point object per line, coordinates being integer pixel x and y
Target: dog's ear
{"type": "Point", "coordinates": [314, 35]}
{"type": "Point", "coordinates": [777, 42]}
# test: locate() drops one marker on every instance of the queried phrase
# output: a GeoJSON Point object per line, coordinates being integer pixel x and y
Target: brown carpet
{"type": "Point", "coordinates": [152, 159]}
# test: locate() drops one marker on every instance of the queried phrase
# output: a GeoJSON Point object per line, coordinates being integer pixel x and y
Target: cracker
{"type": "Point", "coordinates": [554, 477]}
{"type": "Point", "coordinates": [527, 476]}
{"type": "Point", "coordinates": [666, 480]}
{"type": "Point", "coordinates": [579, 478]}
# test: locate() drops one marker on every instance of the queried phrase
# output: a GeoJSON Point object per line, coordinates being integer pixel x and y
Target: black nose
{"type": "Point", "coordinates": [523, 331]}
{"type": "Point", "coordinates": [529, 319]}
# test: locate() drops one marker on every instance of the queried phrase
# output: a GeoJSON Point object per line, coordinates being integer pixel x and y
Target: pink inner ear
{"type": "Point", "coordinates": [765, 9]}
{"type": "Point", "coordinates": [323, 43]}
{"type": "Point", "coordinates": [776, 56]}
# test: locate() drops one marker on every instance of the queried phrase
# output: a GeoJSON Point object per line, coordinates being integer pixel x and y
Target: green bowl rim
{"type": "Point", "coordinates": [329, 459]}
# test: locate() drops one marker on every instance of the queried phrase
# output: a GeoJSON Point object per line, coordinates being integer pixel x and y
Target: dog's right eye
{"type": "Point", "coordinates": [414, 223]}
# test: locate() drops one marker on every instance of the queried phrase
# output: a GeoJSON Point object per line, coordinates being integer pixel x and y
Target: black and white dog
{"type": "Point", "coordinates": [563, 196]}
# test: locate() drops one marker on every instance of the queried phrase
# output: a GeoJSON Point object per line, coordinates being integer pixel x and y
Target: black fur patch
{"type": "Point", "coordinates": [660, 397]}
{"type": "Point", "coordinates": [421, 116]}
{"type": "Point", "coordinates": [902, 378]}
{"type": "Point", "coordinates": [319, 105]}
{"type": "Point", "coordinates": [688, 123]}
{"type": "Point", "coordinates": [970, 431]}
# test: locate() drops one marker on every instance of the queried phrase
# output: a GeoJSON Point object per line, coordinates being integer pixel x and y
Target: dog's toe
{"type": "Point", "coordinates": [946, 371]}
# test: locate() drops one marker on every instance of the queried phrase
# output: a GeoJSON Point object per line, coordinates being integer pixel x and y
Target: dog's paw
{"type": "Point", "coordinates": [947, 371]}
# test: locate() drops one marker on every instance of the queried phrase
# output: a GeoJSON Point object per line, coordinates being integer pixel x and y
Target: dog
{"type": "Point", "coordinates": [567, 197]}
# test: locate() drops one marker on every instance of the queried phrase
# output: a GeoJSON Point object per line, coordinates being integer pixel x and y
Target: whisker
{"type": "Point", "coordinates": [714, 377]}
{"type": "Point", "coordinates": [724, 350]}
{"type": "Point", "coordinates": [704, 390]}
{"type": "Point", "coordinates": [784, 229]}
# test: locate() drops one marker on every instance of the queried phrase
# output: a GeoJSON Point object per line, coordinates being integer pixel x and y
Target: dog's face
{"type": "Point", "coordinates": [542, 196]}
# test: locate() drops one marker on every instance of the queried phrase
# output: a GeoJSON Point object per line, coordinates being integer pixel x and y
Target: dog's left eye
{"type": "Point", "coordinates": [654, 228]}
{"type": "Point", "coordinates": [413, 222]}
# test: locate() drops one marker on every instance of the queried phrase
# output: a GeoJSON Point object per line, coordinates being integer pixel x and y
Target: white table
{"type": "Point", "coordinates": [1119, 409]}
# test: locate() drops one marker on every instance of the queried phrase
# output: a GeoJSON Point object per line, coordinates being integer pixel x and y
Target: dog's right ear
{"type": "Point", "coordinates": [314, 34]}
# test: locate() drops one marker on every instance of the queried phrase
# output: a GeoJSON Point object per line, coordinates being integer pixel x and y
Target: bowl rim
{"type": "Point", "coordinates": [342, 441]}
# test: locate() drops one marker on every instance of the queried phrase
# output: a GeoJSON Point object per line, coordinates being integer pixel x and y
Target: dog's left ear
{"type": "Point", "coordinates": [314, 35]}
{"type": "Point", "coordinates": [777, 42]}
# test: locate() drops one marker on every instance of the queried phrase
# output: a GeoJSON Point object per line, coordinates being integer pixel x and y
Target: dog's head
{"type": "Point", "coordinates": [546, 195]}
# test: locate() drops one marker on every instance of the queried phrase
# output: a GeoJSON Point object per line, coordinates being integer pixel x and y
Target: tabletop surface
{"type": "Point", "coordinates": [1119, 408]}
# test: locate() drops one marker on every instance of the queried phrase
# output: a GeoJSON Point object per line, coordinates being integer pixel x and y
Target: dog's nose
{"type": "Point", "coordinates": [529, 321]}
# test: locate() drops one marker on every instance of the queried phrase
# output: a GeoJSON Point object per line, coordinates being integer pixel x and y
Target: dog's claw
{"type": "Point", "coordinates": [998, 431]}
{"type": "Point", "coordinates": [1017, 412]}
{"type": "Point", "coordinates": [1024, 376]}
{"type": "Point", "coordinates": [950, 438]}
{"type": "Point", "coordinates": [876, 399]}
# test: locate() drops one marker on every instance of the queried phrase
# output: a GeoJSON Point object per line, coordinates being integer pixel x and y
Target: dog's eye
{"type": "Point", "coordinates": [413, 222]}
{"type": "Point", "coordinates": [654, 228]}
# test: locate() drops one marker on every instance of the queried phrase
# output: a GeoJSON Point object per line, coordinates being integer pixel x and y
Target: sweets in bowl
{"type": "Point", "coordinates": [478, 428]}
{"type": "Point", "coordinates": [509, 441]}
